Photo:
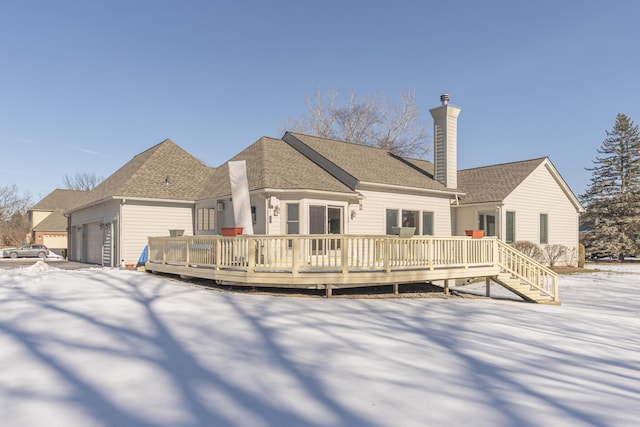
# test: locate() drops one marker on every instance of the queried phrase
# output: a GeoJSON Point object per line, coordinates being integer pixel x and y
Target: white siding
{"type": "Point", "coordinates": [104, 212]}
{"type": "Point", "coordinates": [466, 217]}
{"type": "Point", "coordinates": [540, 193]}
{"type": "Point", "coordinates": [140, 220]}
{"type": "Point", "coordinates": [86, 236]}
{"type": "Point", "coordinates": [372, 218]}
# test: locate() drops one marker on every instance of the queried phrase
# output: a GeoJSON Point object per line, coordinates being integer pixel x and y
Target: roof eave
{"type": "Point", "coordinates": [125, 198]}
{"type": "Point", "coordinates": [450, 192]}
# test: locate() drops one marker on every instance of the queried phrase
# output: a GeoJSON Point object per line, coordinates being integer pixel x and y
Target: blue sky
{"type": "Point", "coordinates": [86, 85]}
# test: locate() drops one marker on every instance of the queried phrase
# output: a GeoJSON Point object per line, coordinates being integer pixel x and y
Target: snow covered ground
{"type": "Point", "coordinates": [108, 347]}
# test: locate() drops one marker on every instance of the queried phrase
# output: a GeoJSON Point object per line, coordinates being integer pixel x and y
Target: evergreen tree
{"type": "Point", "coordinates": [612, 200]}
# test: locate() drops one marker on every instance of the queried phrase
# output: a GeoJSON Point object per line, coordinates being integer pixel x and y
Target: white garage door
{"type": "Point", "coordinates": [93, 241]}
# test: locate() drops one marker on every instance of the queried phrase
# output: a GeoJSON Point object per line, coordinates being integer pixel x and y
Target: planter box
{"type": "Point", "coordinates": [475, 234]}
{"type": "Point", "coordinates": [231, 231]}
{"type": "Point", "coordinates": [404, 232]}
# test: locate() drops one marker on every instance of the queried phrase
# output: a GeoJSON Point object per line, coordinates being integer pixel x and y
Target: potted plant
{"type": "Point", "coordinates": [475, 234]}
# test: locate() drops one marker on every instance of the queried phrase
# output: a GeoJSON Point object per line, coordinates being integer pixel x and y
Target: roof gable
{"type": "Point", "coordinates": [164, 171]}
{"type": "Point", "coordinates": [494, 183]}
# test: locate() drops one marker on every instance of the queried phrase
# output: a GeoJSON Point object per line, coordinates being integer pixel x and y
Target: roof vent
{"type": "Point", "coordinates": [444, 99]}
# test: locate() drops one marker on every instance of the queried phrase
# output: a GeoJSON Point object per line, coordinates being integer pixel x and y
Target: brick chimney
{"type": "Point", "coordinates": [445, 142]}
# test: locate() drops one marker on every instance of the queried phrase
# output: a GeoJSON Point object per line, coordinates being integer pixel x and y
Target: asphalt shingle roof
{"type": "Point", "coordinates": [494, 183]}
{"type": "Point", "coordinates": [272, 163]}
{"type": "Point", "coordinates": [375, 165]}
{"type": "Point", "coordinates": [145, 176]}
{"type": "Point", "coordinates": [59, 199]}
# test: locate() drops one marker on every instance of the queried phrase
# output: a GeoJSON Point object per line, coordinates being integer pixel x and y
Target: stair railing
{"type": "Point", "coordinates": [528, 270]}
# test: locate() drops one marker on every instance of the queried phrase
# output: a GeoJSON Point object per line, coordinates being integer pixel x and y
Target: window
{"type": "Point", "coordinates": [293, 218]}
{"type": "Point", "coordinates": [392, 220]}
{"type": "Point", "coordinates": [410, 218]}
{"type": "Point", "coordinates": [510, 235]}
{"type": "Point", "coordinates": [205, 219]}
{"type": "Point", "coordinates": [544, 229]}
{"type": "Point", "coordinates": [427, 223]}
{"type": "Point", "coordinates": [488, 224]}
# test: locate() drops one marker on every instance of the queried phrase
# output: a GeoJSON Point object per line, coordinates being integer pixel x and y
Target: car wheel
{"type": "Point", "coordinates": [42, 255]}
{"type": "Point", "coordinates": [14, 255]}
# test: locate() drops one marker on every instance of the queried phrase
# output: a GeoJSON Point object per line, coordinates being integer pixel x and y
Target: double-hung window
{"type": "Point", "coordinates": [510, 235]}
{"type": "Point", "coordinates": [427, 223]}
{"type": "Point", "coordinates": [544, 229]}
{"type": "Point", "coordinates": [205, 219]}
{"type": "Point", "coordinates": [391, 220]}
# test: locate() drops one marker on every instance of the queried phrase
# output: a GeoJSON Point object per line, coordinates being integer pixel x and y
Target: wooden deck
{"type": "Point", "coordinates": [345, 261]}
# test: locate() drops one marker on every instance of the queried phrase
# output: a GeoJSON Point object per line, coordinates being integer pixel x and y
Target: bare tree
{"type": "Point", "coordinates": [372, 121]}
{"type": "Point", "coordinates": [528, 248]}
{"type": "Point", "coordinates": [553, 253]}
{"type": "Point", "coordinates": [14, 222]}
{"type": "Point", "coordinates": [85, 181]}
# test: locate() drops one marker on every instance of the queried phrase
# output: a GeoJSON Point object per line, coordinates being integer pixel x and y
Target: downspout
{"type": "Point", "coordinates": [267, 216]}
{"type": "Point", "coordinates": [500, 222]}
{"type": "Point", "coordinates": [120, 234]}
{"type": "Point", "coordinates": [69, 234]}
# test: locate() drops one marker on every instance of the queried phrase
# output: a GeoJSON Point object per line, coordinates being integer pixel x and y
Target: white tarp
{"type": "Point", "coordinates": [240, 196]}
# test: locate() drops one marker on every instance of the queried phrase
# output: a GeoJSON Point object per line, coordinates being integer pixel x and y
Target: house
{"type": "Point", "coordinates": [520, 201]}
{"type": "Point", "coordinates": [48, 223]}
{"type": "Point", "coordinates": [301, 184]}
{"type": "Point", "coordinates": [309, 185]}
{"type": "Point", "coordinates": [151, 194]}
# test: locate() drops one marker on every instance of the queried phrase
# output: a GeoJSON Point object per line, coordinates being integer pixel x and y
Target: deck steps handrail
{"type": "Point", "coordinates": [529, 271]}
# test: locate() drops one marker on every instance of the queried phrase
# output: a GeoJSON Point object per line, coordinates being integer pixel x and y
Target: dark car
{"type": "Point", "coordinates": [40, 251]}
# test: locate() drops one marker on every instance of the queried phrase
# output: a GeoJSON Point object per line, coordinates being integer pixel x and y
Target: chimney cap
{"type": "Point", "coordinates": [444, 98]}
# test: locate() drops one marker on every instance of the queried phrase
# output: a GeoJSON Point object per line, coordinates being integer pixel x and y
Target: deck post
{"type": "Point", "coordinates": [387, 255]}
{"type": "Point", "coordinates": [446, 286]}
{"type": "Point", "coordinates": [164, 251]}
{"type": "Point", "coordinates": [465, 252]}
{"type": "Point", "coordinates": [396, 289]}
{"type": "Point", "coordinates": [344, 244]}
{"type": "Point", "coordinates": [188, 257]}
{"type": "Point", "coordinates": [218, 253]}
{"type": "Point", "coordinates": [328, 290]}
{"type": "Point", "coordinates": [488, 286]}
{"type": "Point", "coordinates": [431, 253]}
{"type": "Point", "coordinates": [252, 254]}
{"type": "Point", "coordinates": [295, 256]}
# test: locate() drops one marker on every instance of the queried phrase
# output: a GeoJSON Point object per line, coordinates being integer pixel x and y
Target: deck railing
{"type": "Point", "coordinates": [331, 253]}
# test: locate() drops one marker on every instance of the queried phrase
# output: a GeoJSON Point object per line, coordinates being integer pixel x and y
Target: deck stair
{"type": "Point", "coordinates": [525, 291]}
{"type": "Point", "coordinates": [525, 277]}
